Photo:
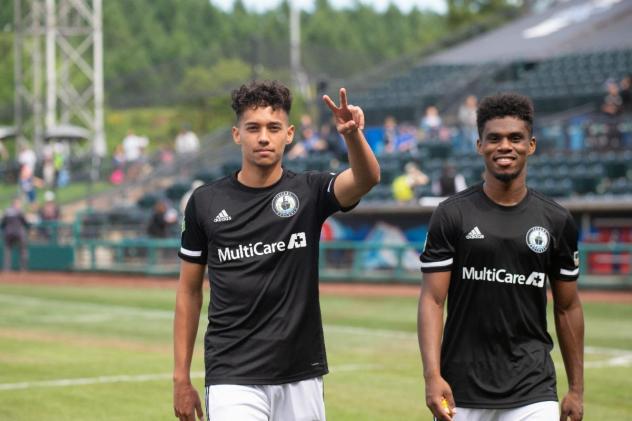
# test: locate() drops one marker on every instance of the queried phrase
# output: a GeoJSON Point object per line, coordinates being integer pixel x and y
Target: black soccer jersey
{"type": "Point", "coordinates": [261, 247]}
{"type": "Point", "coordinates": [495, 351]}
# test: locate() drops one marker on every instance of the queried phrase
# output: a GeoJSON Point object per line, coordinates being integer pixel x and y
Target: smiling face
{"type": "Point", "coordinates": [263, 133]}
{"type": "Point", "coordinates": [505, 144]}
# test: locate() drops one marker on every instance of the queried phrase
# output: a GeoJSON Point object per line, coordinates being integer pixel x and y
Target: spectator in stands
{"type": "Point", "coordinates": [407, 139]}
{"type": "Point", "coordinates": [335, 142]}
{"type": "Point", "coordinates": [612, 102]}
{"type": "Point", "coordinates": [166, 155]}
{"type": "Point", "coordinates": [61, 152]}
{"type": "Point", "coordinates": [28, 184]}
{"type": "Point", "coordinates": [449, 182]}
{"type": "Point", "coordinates": [625, 91]}
{"type": "Point", "coordinates": [161, 221]}
{"type": "Point", "coordinates": [612, 107]}
{"type": "Point", "coordinates": [404, 185]}
{"type": "Point", "coordinates": [27, 157]}
{"type": "Point", "coordinates": [431, 123]}
{"type": "Point", "coordinates": [118, 166]}
{"type": "Point", "coordinates": [14, 229]}
{"type": "Point", "coordinates": [134, 149]}
{"type": "Point", "coordinates": [49, 214]}
{"type": "Point", "coordinates": [467, 123]}
{"type": "Point", "coordinates": [306, 122]}
{"type": "Point", "coordinates": [399, 138]}
{"type": "Point", "coordinates": [48, 165]}
{"type": "Point", "coordinates": [187, 143]}
{"type": "Point", "coordinates": [310, 143]}
{"type": "Point", "coordinates": [390, 134]}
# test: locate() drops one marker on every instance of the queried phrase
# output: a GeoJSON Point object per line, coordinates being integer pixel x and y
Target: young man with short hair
{"type": "Point", "coordinates": [258, 232]}
{"type": "Point", "coordinates": [489, 251]}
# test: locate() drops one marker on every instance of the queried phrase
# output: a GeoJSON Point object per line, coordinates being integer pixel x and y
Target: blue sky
{"type": "Point", "coordinates": [404, 5]}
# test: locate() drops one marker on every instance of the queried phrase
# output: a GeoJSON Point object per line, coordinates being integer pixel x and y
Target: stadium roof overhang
{"type": "Point", "coordinates": [7, 132]}
{"type": "Point", "coordinates": [572, 26]}
{"type": "Point", "coordinates": [67, 132]}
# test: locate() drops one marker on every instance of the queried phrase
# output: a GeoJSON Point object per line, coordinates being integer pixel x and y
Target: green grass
{"type": "Point", "coordinates": [68, 332]}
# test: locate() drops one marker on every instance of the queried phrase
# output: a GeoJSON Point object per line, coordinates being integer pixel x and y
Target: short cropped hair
{"type": "Point", "coordinates": [504, 105]}
{"type": "Point", "coordinates": [261, 94]}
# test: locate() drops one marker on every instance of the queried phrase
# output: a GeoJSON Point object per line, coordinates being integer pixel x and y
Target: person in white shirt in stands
{"type": "Point", "coordinates": [187, 142]}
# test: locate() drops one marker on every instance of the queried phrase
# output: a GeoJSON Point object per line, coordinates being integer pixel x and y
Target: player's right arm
{"type": "Point", "coordinates": [189, 297]}
{"type": "Point", "coordinates": [430, 332]}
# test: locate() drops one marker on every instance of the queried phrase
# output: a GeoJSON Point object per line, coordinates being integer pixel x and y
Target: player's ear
{"type": "Point", "coordinates": [235, 132]}
{"type": "Point", "coordinates": [479, 146]}
{"type": "Point", "coordinates": [290, 134]}
{"type": "Point", "coordinates": [532, 146]}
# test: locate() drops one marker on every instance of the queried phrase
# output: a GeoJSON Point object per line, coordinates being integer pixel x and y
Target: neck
{"type": "Point", "coordinates": [505, 194]}
{"type": "Point", "coordinates": [253, 176]}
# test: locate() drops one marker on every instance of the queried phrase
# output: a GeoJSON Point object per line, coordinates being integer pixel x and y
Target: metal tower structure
{"type": "Point", "coordinates": [71, 93]}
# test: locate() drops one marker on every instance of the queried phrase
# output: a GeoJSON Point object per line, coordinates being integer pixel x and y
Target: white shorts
{"type": "Point", "coordinates": [300, 401]}
{"type": "Point", "coordinates": [540, 411]}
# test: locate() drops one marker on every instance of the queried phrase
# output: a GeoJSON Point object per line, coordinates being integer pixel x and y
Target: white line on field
{"type": "Point", "coordinates": [92, 380]}
{"type": "Point", "coordinates": [616, 357]}
{"type": "Point", "coordinates": [124, 378]}
{"type": "Point", "coordinates": [106, 309]}
{"type": "Point", "coordinates": [99, 313]}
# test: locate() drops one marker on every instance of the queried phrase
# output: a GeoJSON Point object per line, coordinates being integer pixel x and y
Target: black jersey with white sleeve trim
{"type": "Point", "coordinates": [495, 351]}
{"type": "Point", "coordinates": [261, 248]}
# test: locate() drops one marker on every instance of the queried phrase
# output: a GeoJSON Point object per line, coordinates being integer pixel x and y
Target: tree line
{"type": "Point", "coordinates": [161, 52]}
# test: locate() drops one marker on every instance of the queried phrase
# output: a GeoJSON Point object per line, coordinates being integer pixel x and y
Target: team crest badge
{"type": "Point", "coordinates": [538, 239]}
{"type": "Point", "coordinates": [285, 204]}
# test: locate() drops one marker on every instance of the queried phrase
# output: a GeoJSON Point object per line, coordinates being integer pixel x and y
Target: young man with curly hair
{"type": "Point", "coordinates": [258, 232]}
{"type": "Point", "coordinates": [490, 250]}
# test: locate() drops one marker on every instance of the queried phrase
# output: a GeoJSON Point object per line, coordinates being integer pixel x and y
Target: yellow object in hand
{"type": "Point", "coordinates": [444, 405]}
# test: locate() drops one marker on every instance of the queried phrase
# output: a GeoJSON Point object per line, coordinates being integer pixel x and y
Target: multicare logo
{"type": "Point", "coordinates": [503, 276]}
{"type": "Point", "coordinates": [297, 240]}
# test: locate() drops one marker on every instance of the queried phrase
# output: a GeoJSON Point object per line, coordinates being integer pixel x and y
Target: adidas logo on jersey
{"type": "Point", "coordinates": [474, 234]}
{"type": "Point", "coordinates": [222, 216]}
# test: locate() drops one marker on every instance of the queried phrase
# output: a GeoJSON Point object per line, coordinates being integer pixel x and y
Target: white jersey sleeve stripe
{"type": "Point", "coordinates": [437, 264]}
{"type": "Point", "coordinates": [569, 272]}
{"type": "Point", "coordinates": [191, 253]}
{"type": "Point", "coordinates": [329, 185]}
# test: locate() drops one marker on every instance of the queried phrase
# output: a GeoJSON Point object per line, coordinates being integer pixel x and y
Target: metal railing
{"type": "Point", "coordinates": [602, 265]}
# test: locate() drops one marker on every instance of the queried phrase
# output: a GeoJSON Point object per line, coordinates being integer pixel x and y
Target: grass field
{"type": "Point", "coordinates": [104, 353]}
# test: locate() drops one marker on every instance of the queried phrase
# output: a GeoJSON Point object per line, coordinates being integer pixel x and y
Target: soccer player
{"type": "Point", "coordinates": [258, 232]}
{"type": "Point", "coordinates": [490, 250]}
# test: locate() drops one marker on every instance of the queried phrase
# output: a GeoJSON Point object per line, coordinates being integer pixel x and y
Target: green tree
{"type": "Point", "coordinates": [467, 12]}
{"type": "Point", "coordinates": [206, 92]}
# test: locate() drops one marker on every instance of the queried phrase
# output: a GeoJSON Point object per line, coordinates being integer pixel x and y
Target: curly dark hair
{"type": "Point", "coordinates": [504, 105]}
{"type": "Point", "coordinates": [261, 94]}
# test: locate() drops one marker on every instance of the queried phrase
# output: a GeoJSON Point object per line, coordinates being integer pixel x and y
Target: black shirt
{"type": "Point", "coordinates": [495, 351]}
{"type": "Point", "coordinates": [261, 247]}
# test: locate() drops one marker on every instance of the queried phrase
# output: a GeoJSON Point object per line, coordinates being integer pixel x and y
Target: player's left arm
{"type": "Point", "coordinates": [569, 324]}
{"type": "Point", "coordinates": [364, 171]}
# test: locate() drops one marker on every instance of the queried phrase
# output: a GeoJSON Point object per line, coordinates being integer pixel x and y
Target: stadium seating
{"type": "Point", "coordinates": [555, 84]}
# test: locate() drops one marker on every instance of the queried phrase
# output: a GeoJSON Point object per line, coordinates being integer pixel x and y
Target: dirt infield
{"type": "Point", "coordinates": [347, 289]}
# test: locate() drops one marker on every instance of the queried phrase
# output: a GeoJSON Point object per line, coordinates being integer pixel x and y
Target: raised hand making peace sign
{"type": "Point", "coordinates": [349, 118]}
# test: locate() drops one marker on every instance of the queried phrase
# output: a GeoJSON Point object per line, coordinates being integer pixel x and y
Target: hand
{"type": "Point", "coordinates": [437, 389]}
{"type": "Point", "coordinates": [572, 407]}
{"type": "Point", "coordinates": [349, 118]}
{"type": "Point", "coordinates": [186, 402]}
